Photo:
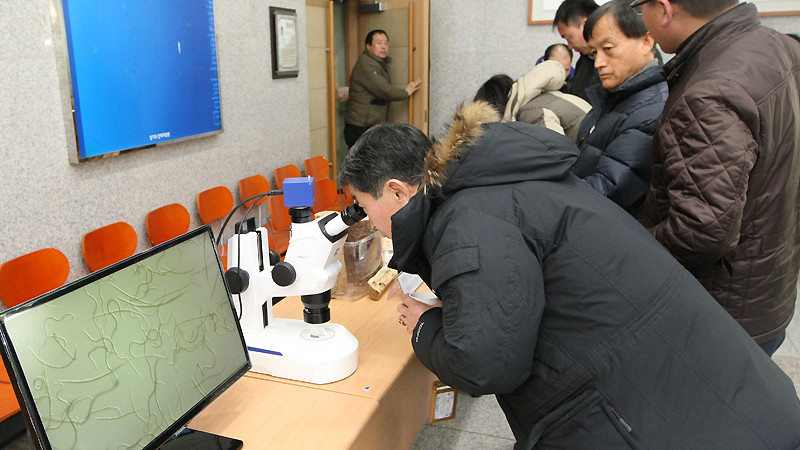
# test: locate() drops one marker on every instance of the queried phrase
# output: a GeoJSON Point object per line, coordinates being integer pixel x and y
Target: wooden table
{"type": "Point", "coordinates": [382, 405]}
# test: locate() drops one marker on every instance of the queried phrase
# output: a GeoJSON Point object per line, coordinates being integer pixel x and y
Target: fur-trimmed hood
{"type": "Point", "coordinates": [479, 150]}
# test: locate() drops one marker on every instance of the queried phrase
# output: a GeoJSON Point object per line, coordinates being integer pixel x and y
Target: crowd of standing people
{"type": "Point", "coordinates": [616, 248]}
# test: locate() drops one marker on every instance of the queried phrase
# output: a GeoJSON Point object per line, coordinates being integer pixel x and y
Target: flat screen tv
{"type": "Point", "coordinates": [141, 73]}
{"type": "Point", "coordinates": [124, 357]}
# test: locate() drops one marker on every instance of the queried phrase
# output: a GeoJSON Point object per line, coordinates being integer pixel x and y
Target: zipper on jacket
{"type": "Point", "coordinates": [621, 420]}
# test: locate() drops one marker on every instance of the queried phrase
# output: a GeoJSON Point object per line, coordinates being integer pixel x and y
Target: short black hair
{"type": "Point", "coordinates": [495, 92]}
{"type": "Point", "coordinates": [571, 12]}
{"type": "Point", "coordinates": [385, 151]}
{"type": "Point", "coordinates": [368, 40]}
{"type": "Point", "coordinates": [627, 20]}
{"type": "Point", "coordinates": [706, 8]}
{"type": "Point", "coordinates": [794, 36]}
{"type": "Point", "coordinates": [549, 50]}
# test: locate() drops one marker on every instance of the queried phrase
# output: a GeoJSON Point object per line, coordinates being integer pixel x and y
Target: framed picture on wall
{"type": "Point", "coordinates": [283, 29]}
{"type": "Point", "coordinates": [542, 12]}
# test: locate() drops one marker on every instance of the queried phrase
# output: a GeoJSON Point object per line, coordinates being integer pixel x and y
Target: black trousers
{"type": "Point", "coordinates": [352, 133]}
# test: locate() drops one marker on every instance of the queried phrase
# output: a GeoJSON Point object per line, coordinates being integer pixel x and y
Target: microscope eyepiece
{"type": "Point", "coordinates": [353, 214]}
{"type": "Point", "coordinates": [334, 226]}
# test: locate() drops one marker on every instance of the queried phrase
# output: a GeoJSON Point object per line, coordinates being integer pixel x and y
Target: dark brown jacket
{"type": "Point", "coordinates": [723, 196]}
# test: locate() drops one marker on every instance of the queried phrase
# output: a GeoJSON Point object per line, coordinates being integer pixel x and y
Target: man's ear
{"type": "Point", "coordinates": [648, 43]}
{"type": "Point", "coordinates": [400, 190]}
{"type": "Point", "coordinates": [666, 10]}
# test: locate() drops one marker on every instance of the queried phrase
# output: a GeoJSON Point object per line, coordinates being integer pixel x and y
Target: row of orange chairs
{"type": "Point", "coordinates": [112, 243]}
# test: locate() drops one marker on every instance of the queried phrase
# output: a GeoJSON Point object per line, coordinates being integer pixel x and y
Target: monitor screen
{"type": "Point", "coordinates": [142, 73]}
{"type": "Point", "coordinates": [125, 357]}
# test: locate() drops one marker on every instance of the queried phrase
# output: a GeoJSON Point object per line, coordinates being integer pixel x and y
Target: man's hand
{"type": "Point", "coordinates": [413, 87]}
{"type": "Point", "coordinates": [410, 310]}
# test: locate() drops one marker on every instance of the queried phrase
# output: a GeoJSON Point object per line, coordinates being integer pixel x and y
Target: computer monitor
{"type": "Point", "coordinates": [125, 357]}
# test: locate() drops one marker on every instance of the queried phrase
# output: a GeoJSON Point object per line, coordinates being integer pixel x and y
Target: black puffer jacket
{"type": "Point", "coordinates": [616, 135]}
{"type": "Point", "coordinates": [589, 333]}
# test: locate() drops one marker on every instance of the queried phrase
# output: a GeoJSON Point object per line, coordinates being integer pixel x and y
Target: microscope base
{"type": "Point", "coordinates": [285, 350]}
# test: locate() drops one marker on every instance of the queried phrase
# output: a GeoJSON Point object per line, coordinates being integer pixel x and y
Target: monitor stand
{"type": "Point", "coordinates": [189, 439]}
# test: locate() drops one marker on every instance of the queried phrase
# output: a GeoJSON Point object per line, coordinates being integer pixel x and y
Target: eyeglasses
{"type": "Point", "coordinates": [638, 3]}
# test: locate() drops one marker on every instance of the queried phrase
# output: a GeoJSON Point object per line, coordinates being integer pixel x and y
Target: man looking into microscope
{"type": "Point", "coordinates": [557, 301]}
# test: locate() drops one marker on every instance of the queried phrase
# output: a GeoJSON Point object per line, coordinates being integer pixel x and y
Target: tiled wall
{"type": "Point", "coordinates": [473, 40]}
{"type": "Point", "coordinates": [46, 202]}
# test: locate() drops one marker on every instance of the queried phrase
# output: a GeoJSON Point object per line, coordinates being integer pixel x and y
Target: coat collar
{"type": "Point", "coordinates": [409, 224]}
{"type": "Point", "coordinates": [731, 23]}
{"type": "Point", "coordinates": [602, 99]}
{"type": "Point", "coordinates": [384, 62]}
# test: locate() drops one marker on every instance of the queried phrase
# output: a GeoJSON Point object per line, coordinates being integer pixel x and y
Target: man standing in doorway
{"type": "Point", "coordinates": [569, 20]}
{"type": "Point", "coordinates": [723, 196]}
{"type": "Point", "coordinates": [371, 88]}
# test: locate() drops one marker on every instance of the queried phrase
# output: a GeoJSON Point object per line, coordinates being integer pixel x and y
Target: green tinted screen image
{"type": "Point", "coordinates": [114, 363]}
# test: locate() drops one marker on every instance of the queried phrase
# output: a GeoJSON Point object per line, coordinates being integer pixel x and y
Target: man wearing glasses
{"type": "Point", "coordinates": [723, 195]}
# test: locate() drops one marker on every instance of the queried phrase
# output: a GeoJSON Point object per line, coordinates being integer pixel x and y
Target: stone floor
{"type": "Point", "coordinates": [480, 424]}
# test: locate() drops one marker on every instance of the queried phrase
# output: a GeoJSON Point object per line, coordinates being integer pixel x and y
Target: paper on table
{"type": "Point", "coordinates": [409, 282]}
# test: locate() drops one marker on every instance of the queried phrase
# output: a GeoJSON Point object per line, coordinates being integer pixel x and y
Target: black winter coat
{"type": "Point", "coordinates": [585, 75]}
{"type": "Point", "coordinates": [589, 333]}
{"type": "Point", "coordinates": [616, 135]}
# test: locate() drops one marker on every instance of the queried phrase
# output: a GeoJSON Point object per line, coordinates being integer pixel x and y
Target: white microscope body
{"type": "Point", "coordinates": [314, 350]}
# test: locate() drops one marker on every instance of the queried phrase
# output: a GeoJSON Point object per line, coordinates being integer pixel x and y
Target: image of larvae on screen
{"type": "Point", "coordinates": [124, 358]}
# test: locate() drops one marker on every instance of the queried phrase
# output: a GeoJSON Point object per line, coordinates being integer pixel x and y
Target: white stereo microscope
{"type": "Point", "coordinates": [312, 350]}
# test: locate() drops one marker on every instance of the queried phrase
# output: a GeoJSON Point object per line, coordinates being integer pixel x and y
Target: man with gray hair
{"type": "Point", "coordinates": [723, 196]}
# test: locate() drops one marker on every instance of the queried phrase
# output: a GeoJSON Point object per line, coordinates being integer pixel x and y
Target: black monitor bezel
{"type": "Point", "coordinates": [11, 361]}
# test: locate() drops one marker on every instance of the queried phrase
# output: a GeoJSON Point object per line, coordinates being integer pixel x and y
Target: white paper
{"type": "Point", "coordinates": [409, 282]}
{"type": "Point", "coordinates": [445, 402]}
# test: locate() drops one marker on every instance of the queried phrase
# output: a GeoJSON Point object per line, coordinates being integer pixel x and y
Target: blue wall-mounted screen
{"type": "Point", "coordinates": [143, 72]}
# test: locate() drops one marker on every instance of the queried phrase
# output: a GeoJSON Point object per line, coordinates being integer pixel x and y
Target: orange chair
{"type": "Point", "coordinates": [287, 171]}
{"type": "Point", "coordinates": [22, 279]}
{"type": "Point", "coordinates": [107, 245]}
{"type": "Point", "coordinates": [8, 399]}
{"type": "Point", "coordinates": [325, 195]}
{"type": "Point", "coordinates": [31, 275]}
{"type": "Point", "coordinates": [214, 204]}
{"type": "Point", "coordinates": [251, 186]}
{"type": "Point", "coordinates": [167, 222]}
{"type": "Point", "coordinates": [279, 224]}
{"type": "Point", "coordinates": [317, 167]}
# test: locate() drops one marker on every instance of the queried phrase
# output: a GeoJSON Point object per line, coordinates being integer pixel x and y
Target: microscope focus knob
{"type": "Point", "coordinates": [238, 280]}
{"type": "Point", "coordinates": [283, 274]}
